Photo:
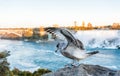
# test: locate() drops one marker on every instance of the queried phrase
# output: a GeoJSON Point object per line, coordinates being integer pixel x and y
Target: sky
{"type": "Point", "coordinates": [35, 13]}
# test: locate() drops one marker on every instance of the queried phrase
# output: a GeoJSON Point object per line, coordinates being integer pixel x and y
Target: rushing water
{"type": "Point", "coordinates": [31, 55]}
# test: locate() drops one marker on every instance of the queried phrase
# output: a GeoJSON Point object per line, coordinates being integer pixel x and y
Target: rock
{"type": "Point", "coordinates": [4, 65]}
{"type": "Point", "coordinates": [118, 73]}
{"type": "Point", "coordinates": [4, 54]}
{"type": "Point", "coordinates": [84, 70]}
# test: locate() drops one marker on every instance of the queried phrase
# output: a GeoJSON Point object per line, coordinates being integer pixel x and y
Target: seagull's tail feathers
{"type": "Point", "coordinates": [92, 53]}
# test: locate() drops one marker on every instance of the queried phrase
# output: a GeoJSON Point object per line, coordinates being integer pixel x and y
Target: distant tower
{"type": "Point", "coordinates": [83, 24]}
{"type": "Point", "coordinates": [75, 23]}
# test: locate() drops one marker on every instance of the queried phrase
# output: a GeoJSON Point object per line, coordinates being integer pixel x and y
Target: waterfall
{"type": "Point", "coordinates": [100, 38]}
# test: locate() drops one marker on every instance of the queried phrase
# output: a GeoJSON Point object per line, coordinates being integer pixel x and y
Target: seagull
{"type": "Point", "coordinates": [73, 49]}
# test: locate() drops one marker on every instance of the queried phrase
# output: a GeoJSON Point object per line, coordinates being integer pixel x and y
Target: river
{"type": "Point", "coordinates": [31, 55]}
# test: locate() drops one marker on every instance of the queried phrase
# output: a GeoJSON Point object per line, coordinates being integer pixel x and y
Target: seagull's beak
{"type": "Point", "coordinates": [56, 50]}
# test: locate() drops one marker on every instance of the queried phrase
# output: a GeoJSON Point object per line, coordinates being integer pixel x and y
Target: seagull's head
{"type": "Point", "coordinates": [60, 46]}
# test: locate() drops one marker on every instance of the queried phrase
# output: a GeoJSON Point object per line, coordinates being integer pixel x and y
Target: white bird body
{"type": "Point", "coordinates": [73, 52]}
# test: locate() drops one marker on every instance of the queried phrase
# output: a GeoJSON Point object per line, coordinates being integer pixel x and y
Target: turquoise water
{"type": "Point", "coordinates": [31, 55]}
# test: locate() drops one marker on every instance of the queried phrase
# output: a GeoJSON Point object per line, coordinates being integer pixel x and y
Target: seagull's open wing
{"type": "Point", "coordinates": [70, 38]}
{"type": "Point", "coordinates": [68, 35]}
{"type": "Point", "coordinates": [80, 44]}
{"type": "Point", "coordinates": [54, 31]}
{"type": "Point", "coordinates": [57, 32]}
{"type": "Point", "coordinates": [52, 28]}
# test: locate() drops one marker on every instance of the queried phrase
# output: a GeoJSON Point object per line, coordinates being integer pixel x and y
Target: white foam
{"type": "Point", "coordinates": [99, 37]}
{"type": "Point", "coordinates": [26, 64]}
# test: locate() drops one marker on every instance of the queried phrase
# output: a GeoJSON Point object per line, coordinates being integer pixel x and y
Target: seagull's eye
{"type": "Point", "coordinates": [57, 45]}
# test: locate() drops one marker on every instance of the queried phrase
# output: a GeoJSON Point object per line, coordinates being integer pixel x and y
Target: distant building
{"type": "Point", "coordinates": [55, 25]}
{"type": "Point", "coordinates": [116, 25]}
{"type": "Point", "coordinates": [89, 26]}
{"type": "Point", "coordinates": [36, 33]}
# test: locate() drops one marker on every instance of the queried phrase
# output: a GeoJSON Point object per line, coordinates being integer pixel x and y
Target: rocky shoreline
{"type": "Point", "coordinates": [5, 69]}
{"type": "Point", "coordinates": [84, 70]}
